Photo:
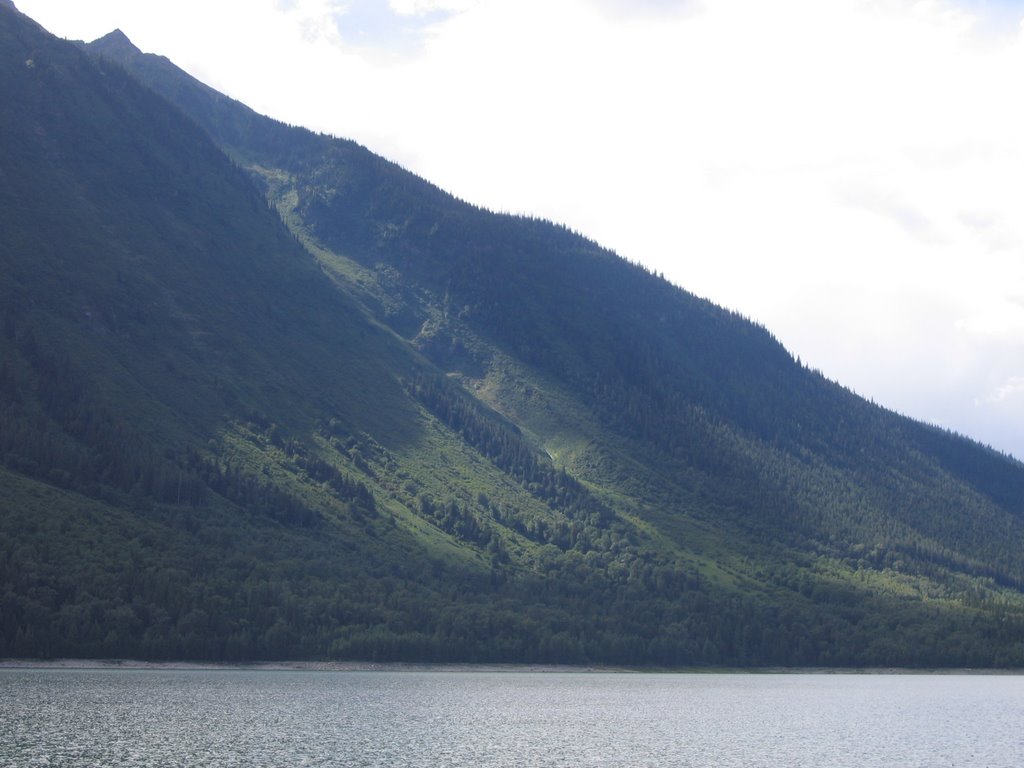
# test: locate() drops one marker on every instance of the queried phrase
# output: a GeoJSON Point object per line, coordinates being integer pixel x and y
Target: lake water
{"type": "Point", "coordinates": [104, 717]}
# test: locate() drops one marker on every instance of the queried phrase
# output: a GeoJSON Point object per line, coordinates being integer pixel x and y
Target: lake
{"type": "Point", "coordinates": [242, 717]}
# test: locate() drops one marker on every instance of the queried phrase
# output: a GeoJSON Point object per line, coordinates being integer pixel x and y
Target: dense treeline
{"type": "Point", "coordinates": [256, 590]}
{"type": "Point", "coordinates": [54, 429]}
{"type": "Point", "coordinates": [76, 443]}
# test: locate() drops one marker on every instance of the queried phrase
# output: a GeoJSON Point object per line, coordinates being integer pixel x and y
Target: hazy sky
{"type": "Point", "coordinates": [850, 173]}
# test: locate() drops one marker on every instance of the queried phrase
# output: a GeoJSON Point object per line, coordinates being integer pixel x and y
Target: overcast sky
{"type": "Point", "coordinates": [849, 173]}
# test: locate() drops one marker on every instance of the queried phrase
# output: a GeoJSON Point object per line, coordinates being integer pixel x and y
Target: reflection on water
{"type": "Point", "coordinates": [51, 717]}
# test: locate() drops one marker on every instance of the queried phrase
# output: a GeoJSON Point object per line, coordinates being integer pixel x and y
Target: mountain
{"type": "Point", "coordinates": [264, 394]}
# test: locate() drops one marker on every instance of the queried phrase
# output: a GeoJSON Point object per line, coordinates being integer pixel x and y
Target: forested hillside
{"type": "Point", "coordinates": [264, 394]}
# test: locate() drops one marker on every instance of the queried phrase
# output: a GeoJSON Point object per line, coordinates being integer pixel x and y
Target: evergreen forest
{"type": "Point", "coordinates": [265, 395]}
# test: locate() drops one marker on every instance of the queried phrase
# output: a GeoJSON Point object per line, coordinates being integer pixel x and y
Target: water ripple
{"type": "Point", "coordinates": [225, 718]}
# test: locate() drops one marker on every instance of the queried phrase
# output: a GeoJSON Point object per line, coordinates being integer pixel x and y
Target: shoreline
{"type": "Point", "coordinates": [447, 667]}
{"type": "Point", "coordinates": [299, 666]}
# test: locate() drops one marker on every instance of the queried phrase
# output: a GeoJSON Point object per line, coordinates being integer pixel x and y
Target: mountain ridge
{"type": "Point", "coordinates": [344, 415]}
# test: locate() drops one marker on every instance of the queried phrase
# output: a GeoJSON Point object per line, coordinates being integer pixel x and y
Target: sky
{"type": "Point", "coordinates": [849, 173]}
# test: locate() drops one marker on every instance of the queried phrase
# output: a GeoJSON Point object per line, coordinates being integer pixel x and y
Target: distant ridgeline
{"type": "Point", "coordinates": [265, 395]}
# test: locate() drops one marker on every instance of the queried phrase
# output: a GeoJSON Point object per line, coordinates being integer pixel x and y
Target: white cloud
{"type": "Point", "coordinates": [425, 7]}
{"type": "Point", "coordinates": [1011, 388]}
{"type": "Point", "coordinates": [891, 205]}
{"type": "Point", "coordinates": [648, 9]}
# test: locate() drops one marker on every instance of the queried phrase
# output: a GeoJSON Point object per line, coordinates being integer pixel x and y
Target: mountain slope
{"type": "Point", "coordinates": [180, 368]}
{"type": "Point", "coordinates": [412, 429]}
{"type": "Point", "coordinates": [646, 359]}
